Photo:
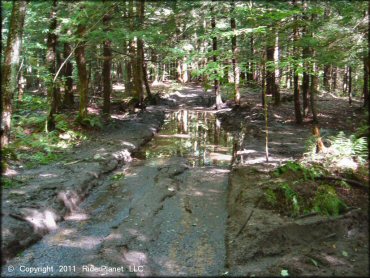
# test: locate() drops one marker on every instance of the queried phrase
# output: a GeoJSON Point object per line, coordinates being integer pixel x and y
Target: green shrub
{"type": "Point", "coordinates": [270, 197]}
{"type": "Point", "coordinates": [327, 201]}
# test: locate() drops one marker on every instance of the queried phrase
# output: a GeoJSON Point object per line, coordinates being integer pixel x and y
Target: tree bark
{"type": "Point", "coordinates": [234, 49]}
{"type": "Point", "coordinates": [251, 73]}
{"type": "Point", "coordinates": [297, 104]}
{"type": "Point", "coordinates": [214, 48]}
{"type": "Point", "coordinates": [350, 85]}
{"type": "Point", "coordinates": [107, 68]}
{"type": "Point", "coordinates": [51, 57]}
{"type": "Point", "coordinates": [366, 82]}
{"type": "Point", "coordinates": [68, 100]}
{"type": "Point", "coordinates": [272, 88]}
{"type": "Point", "coordinates": [138, 78]}
{"type": "Point", "coordinates": [305, 81]}
{"type": "Point", "coordinates": [82, 74]}
{"type": "Point", "coordinates": [9, 68]}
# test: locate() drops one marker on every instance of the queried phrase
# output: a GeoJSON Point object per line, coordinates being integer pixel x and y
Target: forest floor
{"type": "Point", "coordinates": [178, 208]}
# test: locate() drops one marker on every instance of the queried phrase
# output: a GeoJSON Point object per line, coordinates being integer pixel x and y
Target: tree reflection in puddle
{"type": "Point", "coordinates": [196, 135]}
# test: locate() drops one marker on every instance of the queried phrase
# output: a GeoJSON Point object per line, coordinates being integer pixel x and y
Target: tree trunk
{"type": "Point", "coordinates": [272, 88]}
{"type": "Point", "coordinates": [305, 81]}
{"type": "Point", "coordinates": [326, 78]}
{"type": "Point", "coordinates": [234, 49]}
{"type": "Point", "coordinates": [350, 85]}
{"type": "Point", "coordinates": [68, 100]}
{"type": "Point", "coordinates": [334, 75]}
{"type": "Point", "coordinates": [250, 73]}
{"type": "Point", "coordinates": [138, 78]}
{"type": "Point", "coordinates": [9, 69]}
{"type": "Point", "coordinates": [82, 74]}
{"type": "Point", "coordinates": [366, 82]}
{"type": "Point", "coordinates": [297, 104]}
{"type": "Point", "coordinates": [107, 68]}
{"type": "Point", "coordinates": [51, 57]}
{"type": "Point", "coordinates": [214, 48]}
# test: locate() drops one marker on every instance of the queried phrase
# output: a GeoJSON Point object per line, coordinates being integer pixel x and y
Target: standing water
{"type": "Point", "coordinates": [195, 135]}
{"type": "Point", "coordinates": [164, 215]}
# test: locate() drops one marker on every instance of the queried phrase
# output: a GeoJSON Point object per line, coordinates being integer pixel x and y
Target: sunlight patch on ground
{"type": "Point", "coordinates": [118, 87]}
{"type": "Point", "coordinates": [41, 220]}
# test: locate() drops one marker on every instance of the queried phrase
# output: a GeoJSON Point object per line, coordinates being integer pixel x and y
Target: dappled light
{"type": "Point", "coordinates": [185, 138]}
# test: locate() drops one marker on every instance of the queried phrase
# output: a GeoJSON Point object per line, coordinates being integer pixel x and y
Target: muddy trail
{"type": "Point", "coordinates": [190, 202]}
{"type": "Point", "coordinates": [162, 214]}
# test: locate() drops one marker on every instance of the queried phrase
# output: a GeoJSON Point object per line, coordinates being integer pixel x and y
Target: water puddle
{"type": "Point", "coordinates": [195, 135]}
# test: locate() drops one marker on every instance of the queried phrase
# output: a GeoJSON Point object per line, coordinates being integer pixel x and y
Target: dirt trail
{"type": "Point", "coordinates": [180, 209]}
{"type": "Point", "coordinates": [167, 216]}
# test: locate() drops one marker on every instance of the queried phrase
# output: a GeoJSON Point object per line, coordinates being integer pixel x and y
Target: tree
{"type": "Point", "coordinates": [9, 69]}
{"type": "Point", "coordinates": [51, 60]}
{"type": "Point", "coordinates": [82, 72]}
{"type": "Point", "coordinates": [107, 67]}
{"type": "Point", "coordinates": [68, 100]}
{"type": "Point", "coordinates": [214, 57]}
{"type": "Point", "coordinates": [297, 104]}
{"type": "Point", "coordinates": [236, 70]}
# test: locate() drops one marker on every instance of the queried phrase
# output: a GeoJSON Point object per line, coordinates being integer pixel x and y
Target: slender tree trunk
{"type": "Point", "coordinates": [82, 74]}
{"type": "Point", "coordinates": [263, 81]}
{"type": "Point", "coordinates": [68, 100]}
{"type": "Point", "coordinates": [305, 81]}
{"type": "Point", "coordinates": [141, 45]}
{"type": "Point", "coordinates": [138, 78]}
{"type": "Point", "coordinates": [9, 68]}
{"type": "Point", "coordinates": [366, 82]}
{"type": "Point", "coordinates": [327, 78]}
{"type": "Point", "coordinates": [350, 85]}
{"type": "Point", "coordinates": [250, 73]}
{"type": "Point", "coordinates": [214, 48]}
{"type": "Point", "coordinates": [51, 57]}
{"type": "Point", "coordinates": [297, 104]}
{"type": "Point", "coordinates": [313, 91]}
{"type": "Point", "coordinates": [334, 75]}
{"type": "Point", "coordinates": [306, 78]}
{"type": "Point", "coordinates": [107, 68]}
{"type": "Point", "coordinates": [235, 50]}
{"type": "Point", "coordinates": [271, 85]}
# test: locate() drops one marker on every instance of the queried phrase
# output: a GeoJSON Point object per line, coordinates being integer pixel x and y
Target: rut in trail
{"type": "Point", "coordinates": [166, 216]}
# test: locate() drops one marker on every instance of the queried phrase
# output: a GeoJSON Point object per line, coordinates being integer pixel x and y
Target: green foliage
{"type": "Point", "coordinates": [270, 196]}
{"type": "Point", "coordinates": [61, 123]}
{"type": "Point", "coordinates": [91, 121]}
{"type": "Point", "coordinates": [292, 197]}
{"type": "Point", "coordinates": [32, 102]}
{"type": "Point", "coordinates": [327, 202]}
{"type": "Point", "coordinates": [8, 182]}
{"type": "Point", "coordinates": [308, 173]}
{"type": "Point", "coordinates": [349, 146]}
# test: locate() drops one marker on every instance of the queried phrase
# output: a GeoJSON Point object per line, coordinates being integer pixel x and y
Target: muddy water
{"type": "Point", "coordinates": [196, 135]}
{"type": "Point", "coordinates": [165, 216]}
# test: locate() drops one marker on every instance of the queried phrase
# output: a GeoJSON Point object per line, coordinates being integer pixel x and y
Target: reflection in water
{"type": "Point", "coordinates": [196, 135]}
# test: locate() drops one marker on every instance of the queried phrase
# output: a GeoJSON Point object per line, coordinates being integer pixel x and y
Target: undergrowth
{"type": "Point", "coordinates": [300, 194]}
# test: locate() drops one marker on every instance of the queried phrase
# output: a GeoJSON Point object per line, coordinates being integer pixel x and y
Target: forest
{"type": "Point", "coordinates": [185, 138]}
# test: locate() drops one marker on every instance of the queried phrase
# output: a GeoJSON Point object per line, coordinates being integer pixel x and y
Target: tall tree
{"type": "Point", "coordinates": [82, 71]}
{"type": "Point", "coordinates": [51, 60]}
{"type": "Point", "coordinates": [107, 67]}
{"type": "Point", "coordinates": [68, 100]}
{"type": "Point", "coordinates": [297, 104]}
{"type": "Point", "coordinates": [9, 69]}
{"type": "Point", "coordinates": [305, 56]}
{"type": "Point", "coordinates": [234, 49]}
{"type": "Point", "coordinates": [214, 56]}
{"type": "Point", "coordinates": [271, 85]}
